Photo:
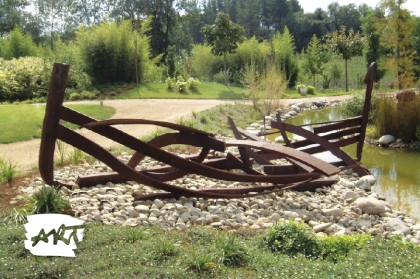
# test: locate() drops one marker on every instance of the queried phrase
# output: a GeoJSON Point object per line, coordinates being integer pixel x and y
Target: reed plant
{"type": "Point", "coordinates": [386, 117]}
{"type": "Point", "coordinates": [7, 170]}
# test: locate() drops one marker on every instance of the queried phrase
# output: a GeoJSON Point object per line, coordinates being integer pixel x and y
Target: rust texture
{"type": "Point", "coordinates": [299, 170]}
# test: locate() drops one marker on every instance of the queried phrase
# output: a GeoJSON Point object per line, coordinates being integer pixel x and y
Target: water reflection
{"type": "Point", "coordinates": [397, 171]}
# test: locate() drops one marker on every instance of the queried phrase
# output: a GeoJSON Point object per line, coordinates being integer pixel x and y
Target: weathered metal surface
{"type": "Point", "coordinates": [302, 172]}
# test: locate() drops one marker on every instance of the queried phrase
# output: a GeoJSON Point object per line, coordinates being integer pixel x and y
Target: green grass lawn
{"type": "Point", "coordinates": [150, 252]}
{"type": "Point", "coordinates": [24, 122]}
{"type": "Point", "coordinates": [206, 90]}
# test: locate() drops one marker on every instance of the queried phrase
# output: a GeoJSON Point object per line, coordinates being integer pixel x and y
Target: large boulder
{"type": "Point", "coordinates": [370, 205]}
{"type": "Point", "coordinates": [387, 139]}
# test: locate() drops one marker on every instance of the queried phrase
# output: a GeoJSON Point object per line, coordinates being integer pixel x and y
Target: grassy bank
{"type": "Point", "coordinates": [150, 252]}
{"type": "Point", "coordinates": [24, 122]}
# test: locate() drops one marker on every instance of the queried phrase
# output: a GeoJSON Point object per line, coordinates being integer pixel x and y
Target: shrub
{"type": "Point", "coordinates": [48, 200]}
{"type": "Point", "coordinates": [337, 247]}
{"type": "Point", "coordinates": [310, 90]}
{"type": "Point", "coordinates": [24, 78]}
{"type": "Point", "coordinates": [220, 77]}
{"type": "Point", "coordinates": [354, 106]}
{"type": "Point", "coordinates": [109, 51]}
{"type": "Point", "coordinates": [87, 95]}
{"type": "Point", "coordinates": [418, 132]}
{"type": "Point", "coordinates": [75, 96]}
{"type": "Point", "coordinates": [181, 84]}
{"type": "Point", "coordinates": [170, 83]}
{"type": "Point", "coordinates": [292, 238]}
{"type": "Point", "coordinates": [193, 83]}
{"type": "Point", "coordinates": [299, 86]}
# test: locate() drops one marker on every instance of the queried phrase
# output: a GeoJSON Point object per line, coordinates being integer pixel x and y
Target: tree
{"type": "Point", "coordinates": [223, 37]}
{"type": "Point", "coordinates": [373, 50]}
{"type": "Point", "coordinates": [51, 13]}
{"type": "Point", "coordinates": [315, 58]}
{"type": "Point", "coordinates": [249, 16]}
{"type": "Point", "coordinates": [283, 48]}
{"type": "Point", "coordinates": [397, 30]}
{"type": "Point", "coordinates": [11, 14]}
{"type": "Point", "coordinates": [345, 45]}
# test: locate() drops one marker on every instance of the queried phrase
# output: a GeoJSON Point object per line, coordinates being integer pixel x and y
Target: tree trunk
{"type": "Point", "coordinates": [224, 62]}
{"type": "Point", "coordinates": [345, 70]}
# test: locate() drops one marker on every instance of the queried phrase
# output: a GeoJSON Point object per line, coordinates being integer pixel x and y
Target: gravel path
{"type": "Point", "coordinates": [25, 154]}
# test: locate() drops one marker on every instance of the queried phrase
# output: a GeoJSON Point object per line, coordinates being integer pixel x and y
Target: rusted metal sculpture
{"type": "Point", "coordinates": [326, 136]}
{"type": "Point", "coordinates": [301, 169]}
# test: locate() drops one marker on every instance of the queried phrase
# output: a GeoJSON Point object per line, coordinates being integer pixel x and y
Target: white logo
{"type": "Point", "coordinates": [53, 234]}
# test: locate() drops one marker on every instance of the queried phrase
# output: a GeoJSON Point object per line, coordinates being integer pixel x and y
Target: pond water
{"type": "Point", "coordinates": [397, 171]}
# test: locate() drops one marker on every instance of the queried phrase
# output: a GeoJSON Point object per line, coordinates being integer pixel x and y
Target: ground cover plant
{"type": "Point", "coordinates": [29, 119]}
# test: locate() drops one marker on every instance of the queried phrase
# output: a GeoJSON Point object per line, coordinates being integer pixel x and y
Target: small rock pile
{"type": "Point", "coordinates": [347, 207]}
{"type": "Point", "coordinates": [289, 112]}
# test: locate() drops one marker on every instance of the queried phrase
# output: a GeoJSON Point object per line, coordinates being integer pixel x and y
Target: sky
{"type": "Point", "coordinates": [309, 6]}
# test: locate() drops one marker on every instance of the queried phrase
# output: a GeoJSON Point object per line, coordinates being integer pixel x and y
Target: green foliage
{"type": "Point", "coordinates": [292, 238]}
{"type": "Point", "coordinates": [223, 37]}
{"type": "Point", "coordinates": [69, 53]}
{"type": "Point", "coordinates": [76, 157]}
{"type": "Point", "coordinates": [48, 200]}
{"type": "Point", "coordinates": [283, 47]}
{"type": "Point", "coordinates": [310, 90]}
{"type": "Point", "coordinates": [7, 170]}
{"type": "Point", "coordinates": [75, 97]}
{"type": "Point", "coordinates": [170, 83]}
{"type": "Point", "coordinates": [193, 84]}
{"type": "Point", "coordinates": [204, 64]}
{"type": "Point", "coordinates": [265, 88]}
{"type": "Point", "coordinates": [111, 52]}
{"type": "Point", "coordinates": [397, 29]}
{"type": "Point", "coordinates": [181, 84]}
{"type": "Point", "coordinates": [346, 45]}
{"type": "Point", "coordinates": [131, 235]}
{"type": "Point", "coordinates": [24, 78]}
{"type": "Point", "coordinates": [354, 107]}
{"type": "Point", "coordinates": [165, 249]}
{"type": "Point", "coordinates": [315, 58]}
{"type": "Point", "coordinates": [16, 217]}
{"type": "Point", "coordinates": [232, 252]}
{"type": "Point", "coordinates": [337, 247]}
{"type": "Point", "coordinates": [17, 45]}
{"type": "Point", "coordinates": [201, 262]}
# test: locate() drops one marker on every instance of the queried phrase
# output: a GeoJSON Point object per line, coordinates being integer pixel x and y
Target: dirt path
{"type": "Point", "coordinates": [25, 154]}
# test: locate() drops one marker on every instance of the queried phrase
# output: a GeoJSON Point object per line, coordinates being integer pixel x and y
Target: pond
{"type": "Point", "coordinates": [397, 171]}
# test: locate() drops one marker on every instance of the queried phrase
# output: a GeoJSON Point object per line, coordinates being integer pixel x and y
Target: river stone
{"type": "Point", "coordinates": [295, 108]}
{"type": "Point", "coordinates": [398, 225]}
{"type": "Point", "coordinates": [387, 139]}
{"type": "Point", "coordinates": [363, 183]}
{"type": "Point", "coordinates": [370, 205]}
{"type": "Point", "coordinates": [292, 113]}
{"type": "Point", "coordinates": [142, 208]}
{"type": "Point", "coordinates": [279, 139]}
{"type": "Point", "coordinates": [333, 212]}
{"type": "Point", "coordinates": [350, 195]}
{"type": "Point", "coordinates": [321, 227]}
